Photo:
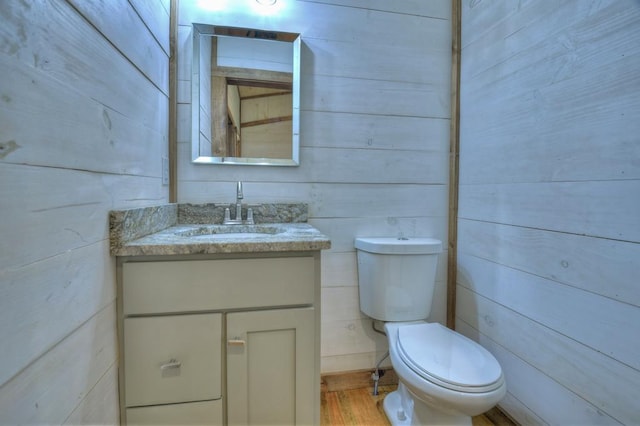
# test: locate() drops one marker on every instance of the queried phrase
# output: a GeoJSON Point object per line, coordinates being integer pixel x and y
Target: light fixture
{"type": "Point", "coordinates": [265, 7]}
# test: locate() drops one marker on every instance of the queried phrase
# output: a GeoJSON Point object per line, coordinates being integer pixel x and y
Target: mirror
{"type": "Point", "coordinates": [245, 94]}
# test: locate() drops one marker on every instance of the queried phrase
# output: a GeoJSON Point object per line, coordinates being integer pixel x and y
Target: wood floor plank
{"type": "Point", "coordinates": [353, 407]}
{"type": "Point", "coordinates": [330, 409]}
{"type": "Point", "coordinates": [363, 408]}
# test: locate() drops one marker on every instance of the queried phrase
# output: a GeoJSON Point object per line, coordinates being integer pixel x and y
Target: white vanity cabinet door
{"type": "Point", "coordinates": [171, 359]}
{"type": "Point", "coordinates": [270, 367]}
{"type": "Point", "coordinates": [191, 413]}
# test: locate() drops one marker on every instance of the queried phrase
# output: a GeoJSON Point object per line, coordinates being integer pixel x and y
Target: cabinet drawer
{"type": "Point", "coordinates": [183, 286]}
{"type": "Point", "coordinates": [172, 359]}
{"type": "Point", "coordinates": [193, 413]}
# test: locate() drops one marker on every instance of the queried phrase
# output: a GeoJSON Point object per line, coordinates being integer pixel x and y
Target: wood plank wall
{"type": "Point", "coordinates": [83, 127]}
{"type": "Point", "coordinates": [374, 141]}
{"type": "Point", "coordinates": [549, 213]}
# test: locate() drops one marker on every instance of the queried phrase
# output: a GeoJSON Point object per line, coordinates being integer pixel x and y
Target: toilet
{"type": "Point", "coordinates": [444, 377]}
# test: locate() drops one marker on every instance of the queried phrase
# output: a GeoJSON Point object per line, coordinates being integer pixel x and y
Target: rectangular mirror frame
{"type": "Point", "coordinates": [207, 29]}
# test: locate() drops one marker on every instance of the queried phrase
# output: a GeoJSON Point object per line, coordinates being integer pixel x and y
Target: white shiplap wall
{"type": "Point", "coordinates": [83, 127]}
{"type": "Point", "coordinates": [549, 213]}
{"type": "Point", "coordinates": [374, 140]}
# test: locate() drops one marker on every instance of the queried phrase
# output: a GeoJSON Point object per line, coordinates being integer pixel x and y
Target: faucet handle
{"type": "Point", "coordinates": [250, 216]}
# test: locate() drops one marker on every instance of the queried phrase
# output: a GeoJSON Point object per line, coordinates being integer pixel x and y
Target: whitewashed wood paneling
{"type": "Point", "coordinates": [369, 200]}
{"type": "Point", "coordinates": [591, 264]}
{"type": "Point", "coordinates": [355, 165]}
{"type": "Point", "coordinates": [80, 133]}
{"type": "Point", "coordinates": [100, 406]}
{"type": "Point", "coordinates": [146, 53]}
{"type": "Point", "coordinates": [75, 366]}
{"type": "Point", "coordinates": [55, 39]}
{"type": "Point", "coordinates": [55, 210]}
{"type": "Point", "coordinates": [326, 21]}
{"type": "Point", "coordinates": [156, 19]}
{"type": "Point", "coordinates": [517, 410]}
{"type": "Point", "coordinates": [563, 55]}
{"type": "Point", "coordinates": [587, 152]}
{"type": "Point", "coordinates": [431, 63]}
{"type": "Point", "coordinates": [592, 320]}
{"type": "Point", "coordinates": [339, 269]}
{"type": "Point", "coordinates": [569, 363]}
{"type": "Point", "coordinates": [47, 298]}
{"type": "Point", "coordinates": [202, 191]}
{"type": "Point", "coordinates": [555, 79]}
{"type": "Point", "coordinates": [83, 113]}
{"type": "Point", "coordinates": [435, 9]}
{"type": "Point", "coordinates": [374, 140]}
{"type": "Point", "coordinates": [560, 403]}
{"type": "Point", "coordinates": [559, 206]}
{"type": "Point", "coordinates": [353, 362]}
{"type": "Point", "coordinates": [345, 337]}
{"type": "Point", "coordinates": [335, 130]}
{"type": "Point", "coordinates": [486, 16]}
{"type": "Point", "coordinates": [548, 225]}
{"type": "Point", "coordinates": [378, 97]}
{"type": "Point", "coordinates": [333, 165]}
{"type": "Point", "coordinates": [507, 30]}
{"type": "Point", "coordinates": [340, 304]}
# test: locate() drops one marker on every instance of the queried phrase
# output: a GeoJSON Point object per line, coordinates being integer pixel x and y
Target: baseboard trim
{"type": "Point", "coordinates": [500, 418]}
{"type": "Point", "coordinates": [347, 380]}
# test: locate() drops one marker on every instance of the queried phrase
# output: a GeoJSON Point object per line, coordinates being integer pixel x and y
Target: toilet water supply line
{"type": "Point", "coordinates": [376, 374]}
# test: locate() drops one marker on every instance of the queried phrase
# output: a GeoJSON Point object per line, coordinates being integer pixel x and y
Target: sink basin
{"type": "Point", "coordinates": [231, 231]}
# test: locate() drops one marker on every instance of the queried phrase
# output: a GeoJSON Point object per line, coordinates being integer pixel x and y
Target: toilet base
{"type": "Point", "coordinates": [396, 414]}
{"type": "Point", "coordinates": [403, 410]}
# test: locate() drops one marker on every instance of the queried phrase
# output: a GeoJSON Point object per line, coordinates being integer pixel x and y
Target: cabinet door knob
{"type": "Point", "coordinates": [236, 342]}
{"type": "Point", "coordinates": [171, 364]}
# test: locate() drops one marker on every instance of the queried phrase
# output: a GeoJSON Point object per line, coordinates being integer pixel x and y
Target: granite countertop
{"type": "Point", "coordinates": [180, 239]}
{"type": "Point", "coordinates": [162, 230]}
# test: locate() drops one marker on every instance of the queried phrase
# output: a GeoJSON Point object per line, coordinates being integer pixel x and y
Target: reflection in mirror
{"type": "Point", "coordinates": [245, 96]}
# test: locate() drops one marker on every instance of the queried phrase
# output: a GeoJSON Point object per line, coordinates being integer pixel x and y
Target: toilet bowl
{"type": "Point", "coordinates": [445, 378]}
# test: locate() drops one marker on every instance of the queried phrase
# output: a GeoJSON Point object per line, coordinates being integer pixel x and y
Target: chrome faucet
{"type": "Point", "coordinates": [238, 219]}
{"type": "Point", "coordinates": [239, 197]}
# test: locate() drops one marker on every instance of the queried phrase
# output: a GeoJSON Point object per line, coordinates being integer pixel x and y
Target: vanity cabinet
{"type": "Point", "coordinates": [220, 339]}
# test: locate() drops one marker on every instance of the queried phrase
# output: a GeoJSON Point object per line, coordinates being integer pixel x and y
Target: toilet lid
{"type": "Point", "coordinates": [448, 359]}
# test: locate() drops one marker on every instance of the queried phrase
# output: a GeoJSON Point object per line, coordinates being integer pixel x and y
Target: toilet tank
{"type": "Point", "coordinates": [397, 276]}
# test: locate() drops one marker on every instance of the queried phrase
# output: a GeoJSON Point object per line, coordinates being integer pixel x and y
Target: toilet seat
{"type": "Point", "coordinates": [448, 359]}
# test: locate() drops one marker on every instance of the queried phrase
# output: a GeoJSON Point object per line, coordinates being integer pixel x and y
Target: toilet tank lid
{"type": "Point", "coordinates": [399, 245]}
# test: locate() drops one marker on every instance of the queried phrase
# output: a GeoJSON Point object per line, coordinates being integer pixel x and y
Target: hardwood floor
{"type": "Point", "coordinates": [354, 407]}
{"type": "Point", "coordinates": [360, 407]}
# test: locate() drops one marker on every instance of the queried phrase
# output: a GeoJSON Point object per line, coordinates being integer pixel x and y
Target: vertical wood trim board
{"type": "Point", "coordinates": [173, 102]}
{"type": "Point", "coordinates": [454, 146]}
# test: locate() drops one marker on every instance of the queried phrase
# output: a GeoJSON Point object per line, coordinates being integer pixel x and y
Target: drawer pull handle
{"type": "Point", "coordinates": [171, 364]}
{"type": "Point", "coordinates": [236, 342]}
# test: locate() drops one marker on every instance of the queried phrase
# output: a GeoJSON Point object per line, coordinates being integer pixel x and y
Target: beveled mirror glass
{"type": "Point", "coordinates": [245, 95]}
